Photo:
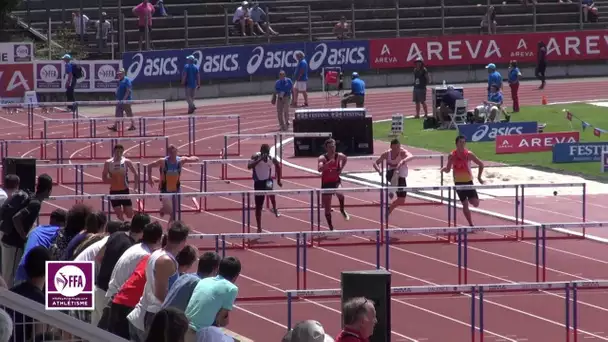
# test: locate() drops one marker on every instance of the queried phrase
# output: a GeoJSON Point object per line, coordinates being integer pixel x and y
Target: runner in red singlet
{"type": "Point", "coordinates": [331, 165]}
{"type": "Point", "coordinates": [460, 160]}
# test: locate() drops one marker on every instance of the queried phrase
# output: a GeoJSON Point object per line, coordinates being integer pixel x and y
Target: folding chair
{"type": "Point", "coordinates": [459, 117]}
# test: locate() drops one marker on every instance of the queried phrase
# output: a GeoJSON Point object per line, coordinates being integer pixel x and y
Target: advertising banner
{"type": "Point", "coordinates": [604, 161]}
{"type": "Point", "coordinates": [11, 53]}
{"type": "Point", "coordinates": [489, 132]}
{"type": "Point", "coordinates": [15, 80]}
{"type": "Point", "coordinates": [243, 61]}
{"type": "Point", "coordinates": [537, 142]}
{"type": "Point", "coordinates": [99, 76]}
{"type": "Point", "coordinates": [579, 152]}
{"type": "Point", "coordinates": [483, 49]}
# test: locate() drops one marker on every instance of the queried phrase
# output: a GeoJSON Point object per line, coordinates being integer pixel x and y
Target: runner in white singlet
{"type": "Point", "coordinates": [262, 163]}
{"type": "Point", "coordinates": [396, 171]}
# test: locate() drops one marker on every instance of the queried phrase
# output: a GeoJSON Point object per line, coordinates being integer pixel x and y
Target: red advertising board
{"type": "Point", "coordinates": [484, 49]}
{"type": "Point", "coordinates": [15, 80]}
{"type": "Point", "coordinates": [536, 142]}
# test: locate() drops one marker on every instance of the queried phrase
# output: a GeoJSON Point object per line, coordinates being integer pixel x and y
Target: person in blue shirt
{"type": "Point", "coordinates": [43, 235]}
{"type": "Point", "coordinates": [70, 81]}
{"type": "Point", "coordinates": [494, 103]}
{"type": "Point", "coordinates": [514, 76]}
{"type": "Point", "coordinates": [447, 106]}
{"type": "Point", "coordinates": [357, 92]}
{"type": "Point", "coordinates": [281, 98]}
{"type": "Point", "coordinates": [124, 92]}
{"type": "Point", "coordinates": [301, 80]}
{"type": "Point", "coordinates": [494, 77]}
{"type": "Point", "coordinates": [180, 292]}
{"type": "Point", "coordinates": [191, 79]}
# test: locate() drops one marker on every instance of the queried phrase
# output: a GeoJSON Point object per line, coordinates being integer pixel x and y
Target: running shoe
{"type": "Point", "coordinates": [113, 128]}
{"type": "Point", "coordinates": [275, 212]}
{"type": "Point", "coordinates": [345, 214]}
{"type": "Point", "coordinates": [132, 128]}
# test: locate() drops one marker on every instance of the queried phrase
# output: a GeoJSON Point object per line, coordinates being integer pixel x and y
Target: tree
{"type": "Point", "coordinates": [65, 43]}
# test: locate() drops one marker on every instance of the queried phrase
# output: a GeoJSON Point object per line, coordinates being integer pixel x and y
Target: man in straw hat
{"type": "Point", "coordinates": [307, 331]}
{"type": "Point", "coordinates": [191, 80]}
{"type": "Point", "coordinates": [124, 92]}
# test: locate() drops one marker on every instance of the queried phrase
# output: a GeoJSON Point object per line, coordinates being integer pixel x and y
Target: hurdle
{"type": "Point", "coordinates": [76, 112]}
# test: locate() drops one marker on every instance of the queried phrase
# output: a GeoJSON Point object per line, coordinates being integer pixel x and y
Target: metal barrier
{"type": "Point", "coordinates": [474, 293]}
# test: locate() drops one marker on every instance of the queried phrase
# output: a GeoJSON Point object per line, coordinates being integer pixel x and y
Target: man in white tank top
{"type": "Point", "coordinates": [261, 163]}
{"type": "Point", "coordinates": [396, 159]}
{"type": "Point", "coordinates": [161, 270]}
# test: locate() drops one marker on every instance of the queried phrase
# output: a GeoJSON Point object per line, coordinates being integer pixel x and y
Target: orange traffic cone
{"type": "Point", "coordinates": [544, 100]}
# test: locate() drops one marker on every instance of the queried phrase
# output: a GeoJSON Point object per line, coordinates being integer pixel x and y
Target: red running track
{"type": "Point", "coordinates": [268, 272]}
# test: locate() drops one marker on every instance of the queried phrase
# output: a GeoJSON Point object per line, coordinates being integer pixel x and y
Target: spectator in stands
{"type": "Point", "coordinates": [488, 22]}
{"type": "Point", "coordinates": [260, 20]}
{"type": "Point", "coordinates": [162, 270]}
{"type": "Point", "coordinates": [185, 259]}
{"type": "Point", "coordinates": [89, 253]}
{"type": "Point", "coordinates": [282, 98]}
{"type": "Point", "coordinates": [124, 92]}
{"type": "Point", "coordinates": [102, 28]}
{"type": "Point", "coordinates": [159, 9]}
{"type": "Point", "coordinates": [191, 80]}
{"type": "Point", "coordinates": [514, 76]}
{"type": "Point", "coordinates": [75, 223]}
{"type": "Point", "coordinates": [447, 107]}
{"type": "Point", "coordinates": [92, 239]}
{"type": "Point", "coordinates": [590, 13]}
{"type": "Point", "coordinates": [6, 326]}
{"type": "Point", "coordinates": [42, 235]}
{"type": "Point", "coordinates": [357, 92]}
{"type": "Point", "coordinates": [109, 255]}
{"type": "Point", "coordinates": [181, 291]}
{"type": "Point", "coordinates": [306, 331]}
{"type": "Point", "coordinates": [242, 21]}
{"type": "Point", "coordinates": [213, 296]}
{"type": "Point", "coordinates": [71, 80]}
{"type": "Point", "coordinates": [18, 216]}
{"type": "Point", "coordinates": [93, 225]}
{"type": "Point", "coordinates": [421, 79]}
{"type": "Point", "coordinates": [301, 80]}
{"type": "Point", "coordinates": [342, 29]}
{"type": "Point", "coordinates": [32, 289]}
{"type": "Point", "coordinates": [144, 12]}
{"type": "Point", "coordinates": [494, 77]}
{"type": "Point", "coordinates": [168, 325]}
{"type": "Point", "coordinates": [359, 320]}
{"type": "Point", "coordinates": [81, 22]}
{"type": "Point", "coordinates": [11, 184]}
{"type": "Point", "coordinates": [215, 332]}
{"type": "Point", "coordinates": [541, 63]}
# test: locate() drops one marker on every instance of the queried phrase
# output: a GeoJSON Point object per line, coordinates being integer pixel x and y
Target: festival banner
{"type": "Point", "coordinates": [243, 61]}
{"type": "Point", "coordinates": [15, 80]}
{"type": "Point", "coordinates": [465, 50]}
{"type": "Point", "coordinates": [99, 76]}
{"type": "Point", "coordinates": [536, 142]}
{"type": "Point", "coordinates": [22, 52]}
{"type": "Point", "coordinates": [579, 152]}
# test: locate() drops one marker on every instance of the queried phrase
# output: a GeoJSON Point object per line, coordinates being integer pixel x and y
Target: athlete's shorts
{"type": "Point", "coordinates": [117, 203]}
{"type": "Point", "coordinates": [465, 195]}
{"type": "Point", "coordinates": [331, 185]}
{"type": "Point", "coordinates": [401, 182]}
{"type": "Point", "coordinates": [262, 185]}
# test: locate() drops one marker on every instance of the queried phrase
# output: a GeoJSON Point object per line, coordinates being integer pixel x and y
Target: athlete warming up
{"type": "Point", "coordinates": [261, 163]}
{"type": "Point", "coordinates": [170, 168]}
{"type": "Point", "coordinates": [331, 165]}
{"type": "Point", "coordinates": [115, 173]}
{"type": "Point", "coordinates": [396, 171]}
{"type": "Point", "coordinates": [460, 160]}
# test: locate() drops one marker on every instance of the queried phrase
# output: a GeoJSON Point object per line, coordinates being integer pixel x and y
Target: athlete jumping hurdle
{"type": "Point", "coordinates": [396, 172]}
{"type": "Point", "coordinates": [331, 165]}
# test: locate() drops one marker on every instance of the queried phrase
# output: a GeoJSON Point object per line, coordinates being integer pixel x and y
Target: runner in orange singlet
{"type": "Point", "coordinates": [331, 165]}
{"type": "Point", "coordinates": [115, 174]}
{"type": "Point", "coordinates": [460, 160]}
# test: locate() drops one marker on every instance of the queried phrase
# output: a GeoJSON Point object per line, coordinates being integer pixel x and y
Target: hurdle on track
{"type": "Point", "coordinates": [144, 126]}
{"type": "Point", "coordinates": [476, 294]}
{"type": "Point", "coordinates": [92, 144]}
{"type": "Point", "coordinates": [312, 203]}
{"type": "Point", "coordinates": [76, 112]}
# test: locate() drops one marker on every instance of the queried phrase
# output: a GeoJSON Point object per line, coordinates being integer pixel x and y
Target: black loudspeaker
{"type": "Point", "coordinates": [25, 168]}
{"type": "Point", "coordinates": [374, 285]}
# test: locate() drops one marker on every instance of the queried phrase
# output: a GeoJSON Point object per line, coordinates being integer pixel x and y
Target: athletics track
{"type": "Point", "coordinates": [268, 272]}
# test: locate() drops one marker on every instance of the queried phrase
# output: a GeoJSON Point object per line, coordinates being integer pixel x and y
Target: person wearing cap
{"type": "Point", "coordinates": [241, 20]}
{"type": "Point", "coordinates": [357, 92]}
{"type": "Point", "coordinates": [301, 80]}
{"type": "Point", "coordinates": [421, 79]}
{"type": "Point", "coordinates": [282, 98]}
{"type": "Point", "coordinates": [307, 331]}
{"type": "Point", "coordinates": [359, 320]}
{"type": "Point", "coordinates": [494, 77]}
{"type": "Point", "coordinates": [70, 82]}
{"type": "Point", "coordinates": [447, 106]}
{"type": "Point", "coordinates": [191, 80]}
{"type": "Point", "coordinates": [123, 93]}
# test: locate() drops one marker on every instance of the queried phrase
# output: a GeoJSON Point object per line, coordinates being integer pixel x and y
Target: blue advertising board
{"type": "Point", "coordinates": [488, 132]}
{"type": "Point", "coordinates": [579, 152]}
{"type": "Point", "coordinates": [243, 61]}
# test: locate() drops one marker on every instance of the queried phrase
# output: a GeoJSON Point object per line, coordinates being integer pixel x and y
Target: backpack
{"type": "Point", "coordinates": [18, 201]}
{"type": "Point", "coordinates": [77, 71]}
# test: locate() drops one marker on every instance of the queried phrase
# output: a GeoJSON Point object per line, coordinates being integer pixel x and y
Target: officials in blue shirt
{"type": "Point", "coordinates": [282, 98]}
{"type": "Point", "coordinates": [70, 81]}
{"type": "Point", "coordinates": [494, 77]}
{"type": "Point", "coordinates": [357, 92]}
{"type": "Point", "coordinates": [191, 80]}
{"type": "Point", "coordinates": [301, 80]}
{"type": "Point", "coordinates": [124, 93]}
